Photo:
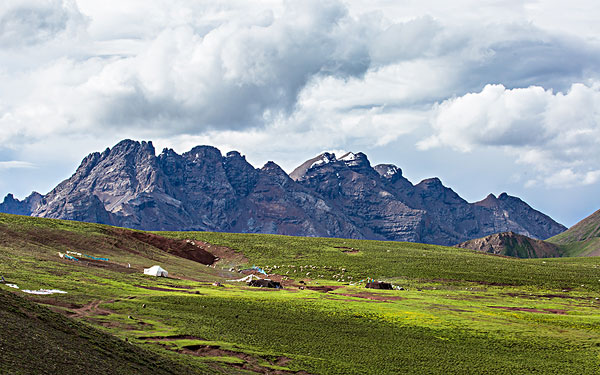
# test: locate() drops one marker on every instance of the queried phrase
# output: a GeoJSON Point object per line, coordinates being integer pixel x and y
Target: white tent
{"type": "Point", "coordinates": [247, 278]}
{"type": "Point", "coordinates": [156, 271]}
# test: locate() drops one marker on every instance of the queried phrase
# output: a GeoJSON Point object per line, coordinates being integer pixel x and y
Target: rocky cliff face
{"type": "Point", "coordinates": [329, 196]}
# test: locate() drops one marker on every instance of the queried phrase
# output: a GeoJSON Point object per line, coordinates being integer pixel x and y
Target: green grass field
{"type": "Point", "coordinates": [461, 312]}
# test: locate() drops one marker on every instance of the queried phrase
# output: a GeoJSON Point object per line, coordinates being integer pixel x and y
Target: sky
{"type": "Point", "coordinates": [490, 96]}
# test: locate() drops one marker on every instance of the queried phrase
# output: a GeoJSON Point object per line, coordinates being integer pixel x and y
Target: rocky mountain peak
{"type": "Point", "coordinates": [202, 153]}
{"type": "Point", "coordinates": [235, 155]}
{"type": "Point", "coordinates": [358, 160]}
{"type": "Point", "coordinates": [128, 147]}
{"type": "Point", "coordinates": [241, 175]}
{"type": "Point", "coordinates": [14, 206]}
{"type": "Point", "coordinates": [272, 167]}
{"type": "Point", "coordinates": [9, 199]}
{"type": "Point", "coordinates": [201, 189]}
{"type": "Point", "coordinates": [388, 171]}
{"type": "Point", "coordinates": [323, 159]}
{"type": "Point", "coordinates": [275, 172]}
{"type": "Point", "coordinates": [432, 183]}
{"type": "Point", "coordinates": [167, 152]}
{"type": "Point", "coordinates": [490, 201]}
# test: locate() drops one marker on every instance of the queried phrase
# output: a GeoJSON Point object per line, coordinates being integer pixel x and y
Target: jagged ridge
{"type": "Point", "coordinates": [327, 196]}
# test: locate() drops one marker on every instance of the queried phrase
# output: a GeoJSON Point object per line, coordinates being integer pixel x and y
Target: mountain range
{"type": "Point", "coordinates": [328, 196]}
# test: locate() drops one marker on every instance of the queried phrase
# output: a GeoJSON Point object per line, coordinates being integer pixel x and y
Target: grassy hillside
{"type": "Point", "coordinates": [582, 239]}
{"type": "Point", "coordinates": [398, 261]}
{"type": "Point", "coordinates": [35, 340]}
{"type": "Point", "coordinates": [460, 311]}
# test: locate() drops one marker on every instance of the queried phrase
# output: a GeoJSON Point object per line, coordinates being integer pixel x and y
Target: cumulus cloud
{"type": "Point", "coordinates": [281, 77]}
{"type": "Point", "coordinates": [556, 133]}
{"type": "Point", "coordinates": [26, 23]}
{"type": "Point", "coordinates": [199, 68]}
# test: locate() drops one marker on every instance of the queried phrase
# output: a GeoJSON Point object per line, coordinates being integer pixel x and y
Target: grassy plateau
{"type": "Point", "coordinates": [459, 311]}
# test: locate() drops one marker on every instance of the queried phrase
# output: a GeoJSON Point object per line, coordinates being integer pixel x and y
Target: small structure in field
{"type": "Point", "coordinates": [247, 279]}
{"type": "Point", "coordinates": [265, 283]}
{"type": "Point", "coordinates": [156, 271]}
{"type": "Point", "coordinates": [379, 285]}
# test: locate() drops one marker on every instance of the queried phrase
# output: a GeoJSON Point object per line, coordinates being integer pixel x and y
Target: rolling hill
{"type": "Point", "coordinates": [514, 245]}
{"type": "Point", "coordinates": [453, 309]}
{"type": "Point", "coordinates": [35, 340]}
{"type": "Point", "coordinates": [582, 239]}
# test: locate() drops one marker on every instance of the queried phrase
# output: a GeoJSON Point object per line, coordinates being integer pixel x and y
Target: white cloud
{"type": "Point", "coordinates": [15, 164]}
{"type": "Point", "coordinates": [283, 80]}
{"type": "Point", "coordinates": [26, 23]}
{"type": "Point", "coordinates": [556, 133]}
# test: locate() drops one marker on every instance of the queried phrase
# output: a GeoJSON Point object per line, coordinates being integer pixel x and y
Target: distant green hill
{"type": "Point", "coordinates": [582, 239]}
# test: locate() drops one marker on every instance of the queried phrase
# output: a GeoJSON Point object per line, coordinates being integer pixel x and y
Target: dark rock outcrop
{"type": "Point", "coordinates": [512, 244]}
{"type": "Point", "coordinates": [328, 196]}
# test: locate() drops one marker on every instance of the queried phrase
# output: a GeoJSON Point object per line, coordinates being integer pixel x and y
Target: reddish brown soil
{"type": "Point", "coordinates": [181, 286]}
{"type": "Point", "coordinates": [91, 309]}
{"type": "Point", "coordinates": [347, 250]}
{"type": "Point", "coordinates": [446, 308]}
{"type": "Point", "coordinates": [324, 288]}
{"type": "Point", "coordinates": [374, 297]}
{"type": "Point", "coordinates": [55, 302]}
{"type": "Point", "coordinates": [222, 252]}
{"type": "Point", "coordinates": [527, 309]}
{"type": "Point", "coordinates": [181, 248]}
{"type": "Point", "coordinates": [550, 296]}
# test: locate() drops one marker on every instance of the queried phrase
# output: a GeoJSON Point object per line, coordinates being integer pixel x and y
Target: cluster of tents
{"type": "Point", "coordinates": [257, 282]}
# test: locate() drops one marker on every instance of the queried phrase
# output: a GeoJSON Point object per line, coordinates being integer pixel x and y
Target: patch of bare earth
{"type": "Point", "coordinates": [549, 296]}
{"type": "Point", "coordinates": [373, 297]}
{"type": "Point", "coordinates": [223, 253]}
{"type": "Point", "coordinates": [324, 288]}
{"type": "Point", "coordinates": [347, 250]}
{"type": "Point", "coordinates": [251, 363]}
{"type": "Point", "coordinates": [187, 249]}
{"type": "Point", "coordinates": [446, 308]}
{"type": "Point", "coordinates": [527, 309]}
{"type": "Point", "coordinates": [91, 309]}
